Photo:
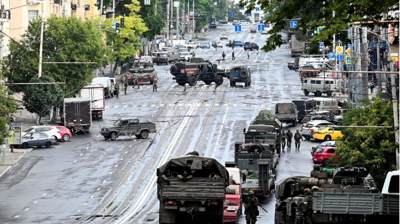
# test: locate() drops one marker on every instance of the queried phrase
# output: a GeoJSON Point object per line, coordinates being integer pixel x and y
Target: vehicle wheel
{"type": "Point", "coordinates": [137, 136]}
{"type": "Point", "coordinates": [65, 137]}
{"type": "Point", "coordinates": [318, 93]}
{"type": "Point", "coordinates": [243, 74]}
{"type": "Point", "coordinates": [307, 138]}
{"type": "Point", "coordinates": [25, 145]}
{"type": "Point", "coordinates": [48, 144]}
{"type": "Point", "coordinates": [192, 80]}
{"type": "Point", "coordinates": [181, 83]}
{"type": "Point", "coordinates": [328, 138]}
{"type": "Point", "coordinates": [219, 80]}
{"type": "Point", "coordinates": [114, 136]}
{"type": "Point", "coordinates": [144, 134]}
{"type": "Point", "coordinates": [294, 123]}
{"type": "Point", "coordinates": [106, 138]}
{"type": "Point", "coordinates": [207, 82]}
{"type": "Point", "coordinates": [324, 162]}
{"type": "Point", "coordinates": [158, 63]}
{"type": "Point", "coordinates": [233, 84]}
{"type": "Point", "coordinates": [329, 93]}
{"type": "Point", "coordinates": [306, 92]}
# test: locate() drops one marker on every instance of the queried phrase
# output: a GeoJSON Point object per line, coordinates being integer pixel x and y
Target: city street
{"type": "Point", "coordinates": [90, 180]}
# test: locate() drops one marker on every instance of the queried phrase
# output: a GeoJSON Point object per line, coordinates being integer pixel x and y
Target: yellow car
{"type": "Point", "coordinates": [327, 134]}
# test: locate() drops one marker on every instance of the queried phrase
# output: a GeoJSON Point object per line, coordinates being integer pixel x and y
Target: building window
{"type": "Point", "coordinates": [33, 14]}
{"type": "Point", "coordinates": [87, 7]}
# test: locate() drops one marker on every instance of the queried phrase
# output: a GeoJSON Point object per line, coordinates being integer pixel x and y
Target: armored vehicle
{"type": "Point", "coordinates": [160, 58]}
{"type": "Point", "coordinates": [128, 127]}
{"type": "Point", "coordinates": [191, 189]}
{"type": "Point", "coordinates": [349, 195]}
{"type": "Point", "coordinates": [143, 71]}
{"type": "Point", "coordinates": [191, 72]}
{"type": "Point", "coordinates": [240, 74]}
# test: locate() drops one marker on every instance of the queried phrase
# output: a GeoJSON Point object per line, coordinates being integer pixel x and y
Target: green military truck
{"type": "Point", "coordinates": [240, 74]}
{"type": "Point", "coordinates": [197, 70]}
{"type": "Point", "coordinates": [266, 129]}
{"type": "Point", "coordinates": [349, 195]}
{"type": "Point", "coordinates": [191, 189]}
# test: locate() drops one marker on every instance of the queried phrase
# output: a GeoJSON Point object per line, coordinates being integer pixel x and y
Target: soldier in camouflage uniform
{"type": "Point", "coordinates": [155, 84]}
{"type": "Point", "coordinates": [297, 138]}
{"type": "Point", "coordinates": [283, 139]}
{"type": "Point", "coordinates": [289, 136]}
{"type": "Point", "coordinates": [251, 206]}
{"type": "Point", "coordinates": [307, 206]}
{"type": "Point", "coordinates": [314, 172]}
{"type": "Point", "coordinates": [116, 89]}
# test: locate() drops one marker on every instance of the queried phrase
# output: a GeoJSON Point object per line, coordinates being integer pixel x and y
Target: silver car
{"type": "Point", "coordinates": [31, 140]}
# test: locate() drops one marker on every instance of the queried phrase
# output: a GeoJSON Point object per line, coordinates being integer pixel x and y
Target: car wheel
{"type": "Point", "coordinates": [144, 134]}
{"type": "Point", "coordinates": [25, 145]}
{"type": "Point", "coordinates": [219, 80]}
{"type": "Point", "coordinates": [48, 144]}
{"type": "Point", "coordinates": [318, 93]}
{"type": "Point", "coordinates": [329, 93]}
{"type": "Point", "coordinates": [113, 136]}
{"type": "Point", "coordinates": [307, 138]}
{"type": "Point", "coordinates": [137, 136]}
{"type": "Point", "coordinates": [328, 138]}
{"type": "Point", "coordinates": [106, 138]}
{"type": "Point", "coordinates": [192, 80]}
{"type": "Point", "coordinates": [66, 137]}
{"type": "Point", "coordinates": [306, 92]}
{"type": "Point", "coordinates": [233, 84]}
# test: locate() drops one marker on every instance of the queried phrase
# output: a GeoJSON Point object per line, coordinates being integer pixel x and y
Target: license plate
{"type": "Point", "coordinates": [143, 80]}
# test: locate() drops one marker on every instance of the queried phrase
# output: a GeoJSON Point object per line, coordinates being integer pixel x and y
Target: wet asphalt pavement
{"type": "Point", "coordinates": [89, 180]}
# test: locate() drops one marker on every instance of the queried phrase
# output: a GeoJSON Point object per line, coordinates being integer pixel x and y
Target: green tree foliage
{"type": "Point", "coordinates": [369, 147]}
{"type": "Point", "coordinates": [311, 14]}
{"type": "Point", "coordinates": [40, 99]}
{"type": "Point", "coordinates": [65, 39]}
{"type": "Point", "coordinates": [7, 106]}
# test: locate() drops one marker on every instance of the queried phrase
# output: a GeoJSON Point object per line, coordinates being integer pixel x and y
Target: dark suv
{"type": "Point", "coordinates": [250, 46]}
{"type": "Point", "coordinates": [240, 74]}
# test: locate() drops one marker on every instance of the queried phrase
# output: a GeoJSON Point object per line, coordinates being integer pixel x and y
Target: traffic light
{"type": "Point", "coordinates": [117, 28]}
{"type": "Point", "coordinates": [122, 22]}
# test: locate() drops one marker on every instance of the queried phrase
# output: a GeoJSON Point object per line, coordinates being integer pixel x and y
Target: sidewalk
{"type": "Point", "coordinates": [9, 159]}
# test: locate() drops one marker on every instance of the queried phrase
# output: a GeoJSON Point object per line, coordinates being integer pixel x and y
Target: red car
{"type": "Point", "coordinates": [323, 154]}
{"type": "Point", "coordinates": [64, 132]}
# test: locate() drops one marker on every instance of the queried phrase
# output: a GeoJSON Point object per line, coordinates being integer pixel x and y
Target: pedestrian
{"type": "Point", "coordinates": [125, 85]}
{"type": "Point", "coordinates": [314, 172]}
{"type": "Point", "coordinates": [297, 138]}
{"type": "Point", "coordinates": [233, 55]}
{"type": "Point", "coordinates": [116, 89]}
{"type": "Point", "coordinates": [193, 54]}
{"type": "Point", "coordinates": [283, 137]}
{"type": "Point", "coordinates": [155, 84]}
{"type": "Point", "coordinates": [307, 206]}
{"type": "Point", "coordinates": [251, 208]}
{"type": "Point", "coordinates": [102, 71]}
{"type": "Point", "coordinates": [372, 86]}
{"type": "Point", "coordinates": [223, 55]}
{"type": "Point", "coordinates": [244, 176]}
{"type": "Point", "coordinates": [248, 55]}
{"type": "Point", "coordinates": [289, 136]}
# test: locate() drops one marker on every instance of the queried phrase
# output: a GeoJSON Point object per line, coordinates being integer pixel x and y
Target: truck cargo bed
{"type": "Point", "coordinates": [196, 188]}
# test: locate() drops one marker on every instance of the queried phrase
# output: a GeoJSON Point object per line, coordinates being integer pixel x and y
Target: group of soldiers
{"type": "Point", "coordinates": [287, 139]}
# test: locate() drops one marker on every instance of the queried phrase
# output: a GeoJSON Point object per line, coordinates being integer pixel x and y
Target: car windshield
{"type": "Point", "coordinates": [319, 150]}
{"type": "Point", "coordinates": [162, 55]}
{"type": "Point", "coordinates": [27, 135]}
{"type": "Point", "coordinates": [118, 122]}
{"type": "Point", "coordinates": [185, 53]}
{"type": "Point", "coordinates": [146, 58]}
{"type": "Point", "coordinates": [29, 129]}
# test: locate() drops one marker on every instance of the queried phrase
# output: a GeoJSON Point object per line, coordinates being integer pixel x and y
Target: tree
{"type": "Point", "coordinates": [7, 106]}
{"type": "Point", "coordinates": [372, 148]}
{"type": "Point", "coordinates": [40, 99]}
{"type": "Point", "coordinates": [65, 39]}
{"type": "Point", "coordinates": [311, 14]}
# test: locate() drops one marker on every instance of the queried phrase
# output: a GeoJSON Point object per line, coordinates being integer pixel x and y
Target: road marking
{"type": "Point", "coordinates": [153, 105]}
{"type": "Point", "coordinates": [26, 209]}
{"type": "Point", "coordinates": [107, 107]}
{"type": "Point", "coordinates": [125, 105]}
{"type": "Point", "coordinates": [116, 106]}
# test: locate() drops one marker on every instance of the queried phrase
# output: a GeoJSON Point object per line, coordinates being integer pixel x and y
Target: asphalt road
{"type": "Point", "coordinates": [89, 180]}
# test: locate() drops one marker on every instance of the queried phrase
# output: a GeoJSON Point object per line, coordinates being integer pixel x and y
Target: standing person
{"type": "Point", "coordinates": [314, 172]}
{"type": "Point", "coordinates": [251, 208]}
{"type": "Point", "coordinates": [307, 206]}
{"type": "Point", "coordinates": [289, 136]}
{"type": "Point", "coordinates": [297, 138]}
{"type": "Point", "coordinates": [233, 55]}
{"type": "Point", "coordinates": [223, 55]}
{"type": "Point", "coordinates": [372, 86]}
{"type": "Point", "coordinates": [248, 55]}
{"type": "Point", "coordinates": [155, 84]}
{"type": "Point", "coordinates": [116, 89]}
{"type": "Point", "coordinates": [283, 139]}
{"type": "Point", "coordinates": [125, 85]}
{"type": "Point", "coordinates": [244, 176]}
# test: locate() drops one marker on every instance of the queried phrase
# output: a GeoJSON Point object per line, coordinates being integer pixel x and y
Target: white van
{"type": "Point", "coordinates": [319, 85]}
{"type": "Point", "coordinates": [329, 104]}
{"type": "Point", "coordinates": [309, 59]}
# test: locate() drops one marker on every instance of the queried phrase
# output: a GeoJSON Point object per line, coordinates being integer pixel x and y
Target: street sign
{"type": "Point", "coordinates": [339, 57]}
{"type": "Point", "coordinates": [293, 24]}
{"type": "Point", "coordinates": [242, 8]}
{"type": "Point", "coordinates": [321, 44]}
{"type": "Point", "coordinates": [348, 51]}
{"type": "Point", "coordinates": [331, 55]}
{"type": "Point", "coordinates": [249, 14]}
{"type": "Point", "coordinates": [143, 40]}
{"type": "Point", "coordinates": [238, 28]}
{"type": "Point", "coordinates": [382, 45]}
{"type": "Point", "coordinates": [257, 9]}
{"type": "Point", "coordinates": [320, 28]}
{"type": "Point", "coordinates": [261, 27]}
{"type": "Point", "coordinates": [339, 50]}
{"type": "Point", "coordinates": [232, 14]}
{"type": "Point", "coordinates": [348, 60]}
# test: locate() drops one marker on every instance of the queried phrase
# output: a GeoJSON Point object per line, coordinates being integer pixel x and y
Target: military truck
{"type": "Point", "coordinates": [349, 196]}
{"type": "Point", "coordinates": [128, 127]}
{"type": "Point", "coordinates": [240, 74]}
{"type": "Point", "coordinates": [286, 112]}
{"type": "Point", "coordinates": [259, 162]}
{"type": "Point", "coordinates": [143, 71]}
{"type": "Point", "coordinates": [297, 47]}
{"type": "Point", "coordinates": [191, 189]}
{"type": "Point", "coordinates": [195, 70]}
{"type": "Point", "coordinates": [266, 129]}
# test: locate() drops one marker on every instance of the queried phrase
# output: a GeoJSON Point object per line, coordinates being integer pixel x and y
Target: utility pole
{"type": "Point", "coordinates": [171, 33]}
{"type": "Point", "coordinates": [166, 41]}
{"type": "Point", "coordinates": [84, 10]}
{"type": "Point", "coordinates": [177, 21]}
{"type": "Point", "coordinates": [113, 15]}
{"type": "Point", "coordinates": [193, 22]}
{"type": "Point", "coordinates": [41, 42]}
{"type": "Point", "coordinates": [1, 29]}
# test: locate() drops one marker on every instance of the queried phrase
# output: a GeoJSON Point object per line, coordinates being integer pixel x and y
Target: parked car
{"type": "Point", "coordinates": [50, 130]}
{"type": "Point", "coordinates": [250, 46]}
{"type": "Point", "coordinates": [323, 144]}
{"type": "Point", "coordinates": [205, 45]}
{"type": "Point", "coordinates": [323, 154]}
{"type": "Point", "coordinates": [328, 134]}
{"type": "Point", "coordinates": [185, 56]}
{"type": "Point", "coordinates": [223, 37]}
{"type": "Point", "coordinates": [253, 30]}
{"type": "Point", "coordinates": [308, 129]}
{"type": "Point", "coordinates": [212, 26]}
{"type": "Point", "coordinates": [237, 43]}
{"type": "Point", "coordinates": [217, 44]}
{"type": "Point", "coordinates": [37, 139]}
{"type": "Point", "coordinates": [264, 32]}
{"type": "Point", "coordinates": [317, 115]}
{"type": "Point", "coordinates": [64, 131]}
{"type": "Point", "coordinates": [223, 22]}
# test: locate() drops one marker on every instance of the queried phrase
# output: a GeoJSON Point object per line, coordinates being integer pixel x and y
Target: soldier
{"type": "Point", "coordinates": [116, 89]}
{"type": "Point", "coordinates": [283, 139]}
{"type": "Point", "coordinates": [297, 138]}
{"type": "Point", "coordinates": [251, 208]}
{"type": "Point", "coordinates": [155, 84]}
{"type": "Point", "coordinates": [307, 206]}
{"type": "Point", "coordinates": [223, 55]}
{"type": "Point", "coordinates": [233, 55]}
{"type": "Point", "coordinates": [248, 55]}
{"type": "Point", "coordinates": [125, 85]}
{"type": "Point", "coordinates": [289, 136]}
{"type": "Point", "coordinates": [135, 82]}
{"type": "Point", "coordinates": [314, 172]}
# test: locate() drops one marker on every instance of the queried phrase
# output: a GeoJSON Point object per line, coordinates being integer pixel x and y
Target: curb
{"type": "Point", "coordinates": [25, 152]}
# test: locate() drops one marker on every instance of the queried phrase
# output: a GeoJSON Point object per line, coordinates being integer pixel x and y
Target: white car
{"type": "Point", "coordinates": [307, 130]}
{"type": "Point", "coordinates": [264, 32]}
{"type": "Point", "coordinates": [223, 37]}
{"type": "Point", "coordinates": [147, 59]}
{"type": "Point", "coordinates": [185, 56]}
{"type": "Point", "coordinates": [50, 130]}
